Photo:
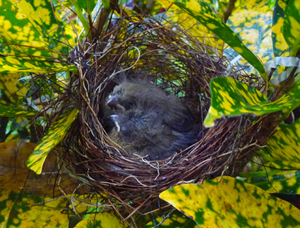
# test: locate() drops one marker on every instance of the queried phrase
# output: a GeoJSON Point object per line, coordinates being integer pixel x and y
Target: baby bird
{"type": "Point", "coordinates": [149, 121]}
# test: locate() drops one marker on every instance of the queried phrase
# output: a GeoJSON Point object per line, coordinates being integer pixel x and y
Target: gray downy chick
{"type": "Point", "coordinates": [150, 122]}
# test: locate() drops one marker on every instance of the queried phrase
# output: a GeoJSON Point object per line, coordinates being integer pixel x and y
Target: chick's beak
{"type": "Point", "coordinates": [112, 101]}
{"type": "Point", "coordinates": [115, 119]}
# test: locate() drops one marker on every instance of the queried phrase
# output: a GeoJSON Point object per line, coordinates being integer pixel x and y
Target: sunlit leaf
{"type": "Point", "coordinates": [276, 177]}
{"type": "Point", "coordinates": [271, 3]}
{"type": "Point", "coordinates": [231, 98]}
{"type": "Point", "coordinates": [178, 16]}
{"type": "Point", "coordinates": [44, 23]}
{"type": "Point", "coordinates": [35, 64]}
{"type": "Point", "coordinates": [279, 43]}
{"type": "Point", "coordinates": [291, 28]}
{"type": "Point", "coordinates": [52, 137]}
{"type": "Point", "coordinates": [284, 144]}
{"type": "Point", "coordinates": [281, 165]}
{"type": "Point", "coordinates": [103, 220]}
{"type": "Point", "coordinates": [10, 84]}
{"type": "Point", "coordinates": [9, 111]}
{"type": "Point", "coordinates": [276, 181]}
{"type": "Point", "coordinates": [252, 22]}
{"type": "Point", "coordinates": [33, 37]}
{"type": "Point", "coordinates": [176, 219]}
{"type": "Point", "coordinates": [231, 203]}
{"type": "Point", "coordinates": [222, 31]}
{"type": "Point", "coordinates": [88, 5]}
{"type": "Point", "coordinates": [24, 210]}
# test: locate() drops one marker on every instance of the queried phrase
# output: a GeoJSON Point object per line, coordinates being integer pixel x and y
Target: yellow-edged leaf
{"type": "Point", "coordinates": [232, 98]}
{"type": "Point", "coordinates": [231, 203]}
{"type": "Point", "coordinates": [53, 136]}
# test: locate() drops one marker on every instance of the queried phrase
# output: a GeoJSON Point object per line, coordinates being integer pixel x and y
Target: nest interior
{"type": "Point", "coordinates": [176, 61]}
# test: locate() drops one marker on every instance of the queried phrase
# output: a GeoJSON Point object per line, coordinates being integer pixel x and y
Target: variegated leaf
{"type": "Point", "coordinates": [27, 210]}
{"type": "Point", "coordinates": [45, 21]}
{"type": "Point", "coordinates": [204, 16]}
{"type": "Point", "coordinates": [230, 97]}
{"type": "Point", "coordinates": [176, 219]}
{"type": "Point", "coordinates": [12, 87]}
{"type": "Point", "coordinates": [32, 64]}
{"type": "Point", "coordinates": [32, 36]}
{"type": "Point", "coordinates": [281, 165]}
{"type": "Point", "coordinates": [231, 203]}
{"type": "Point", "coordinates": [52, 137]}
{"type": "Point", "coordinates": [291, 28]}
{"type": "Point", "coordinates": [284, 144]}
{"type": "Point", "coordinates": [275, 181]}
{"type": "Point", "coordinates": [9, 111]}
{"type": "Point", "coordinates": [103, 220]}
{"type": "Point", "coordinates": [279, 44]}
{"type": "Point", "coordinates": [178, 16]}
{"type": "Point", "coordinates": [252, 22]}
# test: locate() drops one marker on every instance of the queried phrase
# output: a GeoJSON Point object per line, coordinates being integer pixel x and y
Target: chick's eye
{"type": "Point", "coordinates": [119, 92]}
{"type": "Point", "coordinates": [123, 128]}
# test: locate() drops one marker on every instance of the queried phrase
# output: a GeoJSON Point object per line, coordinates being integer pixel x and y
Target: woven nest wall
{"type": "Point", "coordinates": [176, 61]}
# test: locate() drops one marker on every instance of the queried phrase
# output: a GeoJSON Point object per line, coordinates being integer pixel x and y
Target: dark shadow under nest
{"type": "Point", "coordinates": [177, 62]}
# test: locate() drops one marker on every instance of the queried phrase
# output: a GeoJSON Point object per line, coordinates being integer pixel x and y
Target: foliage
{"type": "Point", "coordinates": [229, 202]}
{"type": "Point", "coordinates": [52, 137]}
{"type": "Point", "coordinates": [207, 18]}
{"type": "Point", "coordinates": [25, 210]}
{"type": "Point", "coordinates": [232, 98]}
{"type": "Point", "coordinates": [40, 38]}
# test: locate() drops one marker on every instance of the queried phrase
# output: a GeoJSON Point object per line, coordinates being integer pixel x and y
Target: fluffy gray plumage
{"type": "Point", "coordinates": [149, 121]}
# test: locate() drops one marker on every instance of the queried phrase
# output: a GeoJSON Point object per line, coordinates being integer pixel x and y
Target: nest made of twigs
{"type": "Point", "coordinates": [180, 63]}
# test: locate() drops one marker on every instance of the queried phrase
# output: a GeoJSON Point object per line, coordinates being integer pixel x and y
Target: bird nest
{"type": "Point", "coordinates": [177, 62]}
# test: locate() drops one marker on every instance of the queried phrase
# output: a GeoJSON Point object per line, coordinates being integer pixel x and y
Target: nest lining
{"type": "Point", "coordinates": [180, 63]}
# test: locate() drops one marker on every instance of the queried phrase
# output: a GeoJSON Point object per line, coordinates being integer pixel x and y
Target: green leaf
{"type": "Point", "coordinates": [276, 177]}
{"type": "Point", "coordinates": [78, 10]}
{"type": "Point", "coordinates": [279, 43]}
{"type": "Point", "coordinates": [178, 16]}
{"type": "Point", "coordinates": [276, 181]}
{"type": "Point", "coordinates": [204, 16]}
{"type": "Point", "coordinates": [230, 97]}
{"type": "Point", "coordinates": [10, 111]}
{"type": "Point", "coordinates": [43, 26]}
{"type": "Point", "coordinates": [252, 22]}
{"type": "Point", "coordinates": [291, 29]}
{"type": "Point", "coordinates": [284, 144]}
{"type": "Point", "coordinates": [271, 3]}
{"type": "Point", "coordinates": [12, 87]}
{"type": "Point", "coordinates": [103, 220]}
{"type": "Point", "coordinates": [32, 64]}
{"type": "Point", "coordinates": [176, 219]}
{"type": "Point", "coordinates": [230, 203]}
{"type": "Point", "coordinates": [25, 210]}
{"type": "Point", "coordinates": [32, 28]}
{"type": "Point", "coordinates": [87, 5]}
{"type": "Point", "coordinates": [53, 136]}
{"type": "Point", "coordinates": [281, 165]}
{"type": "Point", "coordinates": [33, 37]}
